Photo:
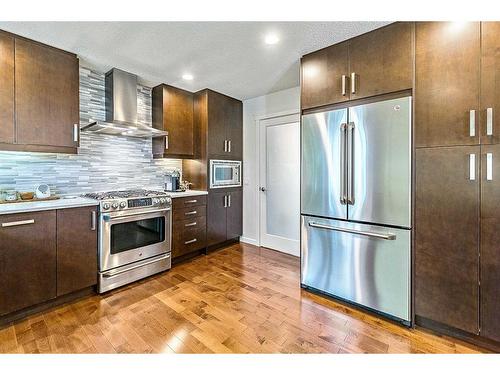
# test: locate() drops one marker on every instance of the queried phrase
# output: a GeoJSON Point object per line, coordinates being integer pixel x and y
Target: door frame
{"type": "Point", "coordinates": [258, 149]}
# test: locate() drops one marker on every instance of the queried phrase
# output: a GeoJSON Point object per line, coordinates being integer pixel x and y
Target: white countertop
{"type": "Point", "coordinates": [187, 193]}
{"type": "Point", "coordinates": [14, 208]}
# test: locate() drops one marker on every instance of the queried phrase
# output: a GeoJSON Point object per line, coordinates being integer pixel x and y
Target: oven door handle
{"type": "Point", "coordinates": [109, 275]}
{"type": "Point", "coordinates": [108, 217]}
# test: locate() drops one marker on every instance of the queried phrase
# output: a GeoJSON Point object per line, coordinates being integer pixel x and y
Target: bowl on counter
{"type": "Point", "coordinates": [10, 195]}
{"type": "Point", "coordinates": [27, 195]}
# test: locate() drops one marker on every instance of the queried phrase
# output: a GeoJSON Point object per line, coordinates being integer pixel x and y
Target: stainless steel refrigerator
{"type": "Point", "coordinates": [356, 205]}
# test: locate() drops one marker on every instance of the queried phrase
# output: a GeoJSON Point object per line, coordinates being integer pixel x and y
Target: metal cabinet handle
{"type": "Point", "coordinates": [190, 224]}
{"type": "Point", "coordinates": [191, 201]}
{"type": "Point", "coordinates": [350, 163]}
{"type": "Point", "coordinates": [75, 132]}
{"type": "Point", "coordinates": [384, 236]}
{"type": "Point", "coordinates": [229, 146]}
{"type": "Point", "coordinates": [166, 142]}
{"type": "Point", "coordinates": [344, 79]}
{"type": "Point", "coordinates": [472, 167]}
{"type": "Point", "coordinates": [225, 201]}
{"type": "Point", "coordinates": [472, 123]}
{"type": "Point", "coordinates": [225, 145]}
{"type": "Point", "coordinates": [489, 121]}
{"type": "Point", "coordinates": [353, 83]}
{"type": "Point", "coordinates": [190, 213]}
{"type": "Point", "coordinates": [343, 199]}
{"type": "Point", "coordinates": [17, 223]}
{"type": "Point", "coordinates": [489, 166]}
{"type": "Point", "coordinates": [229, 200]}
{"type": "Point", "coordinates": [93, 219]}
{"type": "Point", "coordinates": [190, 241]}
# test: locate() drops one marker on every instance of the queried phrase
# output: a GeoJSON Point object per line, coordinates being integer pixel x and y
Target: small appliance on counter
{"type": "Point", "coordinates": [42, 191]}
{"type": "Point", "coordinates": [173, 181]}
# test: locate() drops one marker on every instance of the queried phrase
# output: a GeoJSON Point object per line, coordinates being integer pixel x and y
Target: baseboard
{"type": "Point", "coordinates": [249, 240]}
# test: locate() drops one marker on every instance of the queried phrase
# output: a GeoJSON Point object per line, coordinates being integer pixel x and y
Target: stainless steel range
{"type": "Point", "coordinates": [134, 236]}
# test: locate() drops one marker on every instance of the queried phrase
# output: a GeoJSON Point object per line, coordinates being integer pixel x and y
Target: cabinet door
{"type": "Point", "coordinates": [47, 98]}
{"type": "Point", "coordinates": [490, 82]}
{"type": "Point", "coordinates": [447, 83]}
{"type": "Point", "coordinates": [6, 88]}
{"type": "Point", "coordinates": [234, 129]}
{"type": "Point", "coordinates": [490, 240]}
{"type": "Point", "coordinates": [217, 139]}
{"type": "Point", "coordinates": [27, 260]}
{"type": "Point", "coordinates": [322, 82]}
{"type": "Point", "coordinates": [382, 61]}
{"type": "Point", "coordinates": [447, 236]}
{"type": "Point", "coordinates": [173, 112]}
{"type": "Point", "coordinates": [216, 217]}
{"type": "Point", "coordinates": [234, 214]}
{"type": "Point", "coordinates": [76, 249]}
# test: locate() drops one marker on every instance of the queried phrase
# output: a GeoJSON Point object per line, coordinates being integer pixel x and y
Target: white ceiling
{"type": "Point", "coordinates": [229, 57]}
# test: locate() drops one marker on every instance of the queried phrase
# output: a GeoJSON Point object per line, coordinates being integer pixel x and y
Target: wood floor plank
{"type": "Point", "coordinates": [240, 299]}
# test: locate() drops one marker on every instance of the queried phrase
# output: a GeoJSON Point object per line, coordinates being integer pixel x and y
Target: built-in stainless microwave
{"type": "Point", "coordinates": [225, 173]}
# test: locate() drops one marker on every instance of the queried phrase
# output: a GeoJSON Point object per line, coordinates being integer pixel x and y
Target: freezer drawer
{"type": "Point", "coordinates": [365, 264]}
{"type": "Point", "coordinates": [323, 164]}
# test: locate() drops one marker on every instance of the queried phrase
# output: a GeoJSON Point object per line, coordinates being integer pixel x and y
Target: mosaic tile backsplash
{"type": "Point", "coordinates": [103, 162]}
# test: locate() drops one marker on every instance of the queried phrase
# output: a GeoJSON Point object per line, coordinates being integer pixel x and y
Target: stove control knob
{"type": "Point", "coordinates": [106, 206]}
{"type": "Point", "coordinates": [163, 200]}
{"type": "Point", "coordinates": [114, 205]}
{"type": "Point", "coordinates": [156, 201]}
{"type": "Point", "coordinates": [123, 204]}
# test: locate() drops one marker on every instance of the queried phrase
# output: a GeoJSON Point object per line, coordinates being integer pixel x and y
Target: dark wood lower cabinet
{"type": "Point", "coordinates": [490, 243]}
{"type": "Point", "coordinates": [76, 249]}
{"type": "Point", "coordinates": [27, 260]}
{"type": "Point", "coordinates": [216, 217]}
{"type": "Point", "coordinates": [234, 226]}
{"type": "Point", "coordinates": [189, 229]}
{"type": "Point", "coordinates": [447, 236]}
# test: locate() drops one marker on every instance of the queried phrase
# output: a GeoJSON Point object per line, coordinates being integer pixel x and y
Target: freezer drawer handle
{"type": "Point", "coordinates": [384, 236]}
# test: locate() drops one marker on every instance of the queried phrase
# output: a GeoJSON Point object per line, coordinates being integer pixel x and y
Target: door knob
{"type": "Point", "coordinates": [262, 188]}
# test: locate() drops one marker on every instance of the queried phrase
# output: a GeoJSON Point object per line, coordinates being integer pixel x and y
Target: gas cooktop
{"type": "Point", "coordinates": [116, 194]}
{"type": "Point", "coordinates": [131, 199]}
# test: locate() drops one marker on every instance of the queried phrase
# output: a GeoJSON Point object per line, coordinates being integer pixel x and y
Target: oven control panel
{"type": "Point", "coordinates": [134, 203]}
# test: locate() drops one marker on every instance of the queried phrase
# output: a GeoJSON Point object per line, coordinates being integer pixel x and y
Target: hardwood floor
{"type": "Point", "coordinates": [241, 299]}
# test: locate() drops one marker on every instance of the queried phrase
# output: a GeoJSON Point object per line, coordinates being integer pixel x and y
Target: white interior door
{"type": "Point", "coordinates": [279, 186]}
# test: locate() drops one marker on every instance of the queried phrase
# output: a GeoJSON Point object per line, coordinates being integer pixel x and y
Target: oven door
{"type": "Point", "coordinates": [126, 238]}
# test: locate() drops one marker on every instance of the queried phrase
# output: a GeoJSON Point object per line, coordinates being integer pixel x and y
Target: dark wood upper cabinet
{"type": "Point", "coordinates": [7, 130]}
{"type": "Point", "coordinates": [225, 126]}
{"type": "Point", "coordinates": [447, 236]}
{"type": "Point", "coordinates": [234, 227]}
{"type": "Point", "coordinates": [76, 249]}
{"type": "Point", "coordinates": [490, 82]}
{"type": "Point", "coordinates": [173, 112]}
{"type": "Point", "coordinates": [27, 260]}
{"type": "Point", "coordinates": [46, 97]}
{"type": "Point", "coordinates": [447, 83]}
{"type": "Point", "coordinates": [325, 76]}
{"type": "Point", "coordinates": [490, 240]}
{"type": "Point", "coordinates": [381, 61]}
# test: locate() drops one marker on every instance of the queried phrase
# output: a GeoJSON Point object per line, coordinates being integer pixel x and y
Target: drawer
{"type": "Point", "coordinates": [185, 213]}
{"type": "Point", "coordinates": [197, 200]}
{"type": "Point", "coordinates": [188, 241]}
{"type": "Point", "coordinates": [189, 225]}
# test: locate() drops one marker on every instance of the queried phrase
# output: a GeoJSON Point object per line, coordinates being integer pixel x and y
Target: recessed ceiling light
{"type": "Point", "coordinates": [272, 39]}
{"type": "Point", "coordinates": [187, 77]}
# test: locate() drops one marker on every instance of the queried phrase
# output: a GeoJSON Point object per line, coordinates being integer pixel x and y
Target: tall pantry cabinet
{"type": "Point", "coordinates": [457, 216]}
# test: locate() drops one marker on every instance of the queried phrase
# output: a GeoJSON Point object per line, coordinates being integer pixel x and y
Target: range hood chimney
{"type": "Point", "coordinates": [121, 108]}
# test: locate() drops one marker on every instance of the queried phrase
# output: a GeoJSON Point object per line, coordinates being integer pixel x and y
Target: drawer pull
{"type": "Point", "coordinates": [17, 223]}
{"type": "Point", "coordinates": [191, 213]}
{"type": "Point", "coordinates": [190, 241]}
{"type": "Point", "coordinates": [191, 201]}
{"type": "Point", "coordinates": [190, 224]}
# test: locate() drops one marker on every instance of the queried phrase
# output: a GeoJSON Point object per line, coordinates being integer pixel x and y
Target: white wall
{"type": "Point", "coordinates": [277, 102]}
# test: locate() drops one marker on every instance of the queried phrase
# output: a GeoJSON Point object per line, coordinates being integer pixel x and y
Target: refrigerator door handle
{"type": "Point", "coordinates": [343, 198]}
{"type": "Point", "coordinates": [384, 236]}
{"type": "Point", "coordinates": [350, 163]}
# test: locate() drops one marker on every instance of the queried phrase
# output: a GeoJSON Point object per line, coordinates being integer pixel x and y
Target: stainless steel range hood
{"type": "Point", "coordinates": [121, 109]}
